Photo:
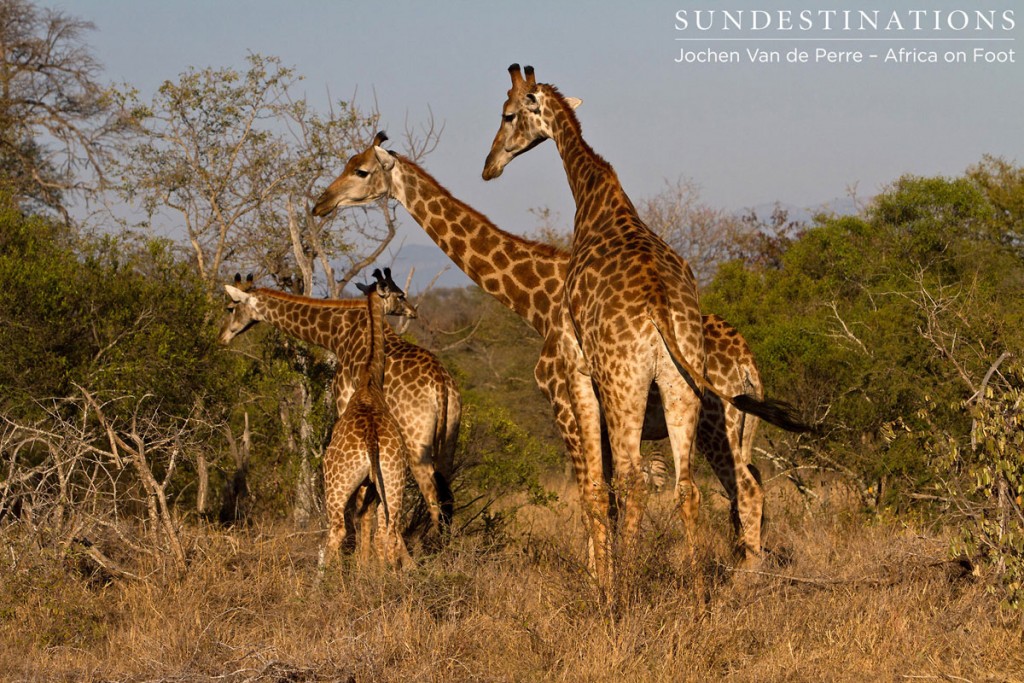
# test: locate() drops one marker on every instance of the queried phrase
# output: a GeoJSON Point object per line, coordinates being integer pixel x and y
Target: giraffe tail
{"type": "Point", "coordinates": [376, 473]}
{"type": "Point", "coordinates": [440, 454]}
{"type": "Point", "coordinates": [441, 424]}
{"type": "Point", "coordinates": [772, 411]}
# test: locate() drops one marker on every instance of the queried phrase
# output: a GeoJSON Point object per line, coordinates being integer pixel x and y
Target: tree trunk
{"type": "Point", "coordinates": [203, 492]}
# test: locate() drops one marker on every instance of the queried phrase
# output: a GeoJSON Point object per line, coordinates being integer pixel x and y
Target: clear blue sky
{"type": "Point", "coordinates": [748, 134]}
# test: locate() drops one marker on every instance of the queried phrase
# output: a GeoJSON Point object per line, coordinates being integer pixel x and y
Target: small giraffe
{"type": "Point", "coordinates": [630, 316]}
{"type": "Point", "coordinates": [421, 393]}
{"type": "Point", "coordinates": [367, 440]}
{"type": "Point", "coordinates": [527, 276]}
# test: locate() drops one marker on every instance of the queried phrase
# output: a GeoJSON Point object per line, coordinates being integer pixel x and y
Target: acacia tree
{"type": "Point", "coordinates": [58, 124]}
{"type": "Point", "coordinates": [234, 159]}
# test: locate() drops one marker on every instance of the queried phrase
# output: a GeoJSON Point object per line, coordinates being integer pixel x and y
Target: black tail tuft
{"type": "Point", "coordinates": [778, 413]}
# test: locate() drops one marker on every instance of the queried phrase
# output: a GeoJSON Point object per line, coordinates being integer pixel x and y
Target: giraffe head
{"type": "Point", "coordinates": [366, 177]}
{"type": "Point", "coordinates": [243, 311]}
{"type": "Point", "coordinates": [390, 293]}
{"type": "Point", "coordinates": [525, 120]}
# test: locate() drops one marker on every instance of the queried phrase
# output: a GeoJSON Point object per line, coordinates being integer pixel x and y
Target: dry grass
{"type": "Point", "coordinates": [842, 600]}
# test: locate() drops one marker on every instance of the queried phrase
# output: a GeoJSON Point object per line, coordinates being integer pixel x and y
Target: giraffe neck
{"type": "Point", "coordinates": [595, 185]}
{"type": "Point", "coordinates": [323, 322]}
{"type": "Point", "coordinates": [522, 274]}
{"type": "Point", "coordinates": [373, 376]}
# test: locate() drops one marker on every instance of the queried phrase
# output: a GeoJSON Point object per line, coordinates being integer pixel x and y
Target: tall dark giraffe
{"type": "Point", "coordinates": [630, 317]}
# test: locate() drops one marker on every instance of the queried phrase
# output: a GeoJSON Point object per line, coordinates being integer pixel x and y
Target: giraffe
{"type": "Point", "coordinates": [367, 441]}
{"type": "Point", "coordinates": [630, 317]}
{"type": "Point", "coordinates": [526, 276]}
{"type": "Point", "coordinates": [421, 393]}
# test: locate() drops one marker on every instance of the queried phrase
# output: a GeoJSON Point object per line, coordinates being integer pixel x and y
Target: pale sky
{"type": "Point", "coordinates": [748, 134]}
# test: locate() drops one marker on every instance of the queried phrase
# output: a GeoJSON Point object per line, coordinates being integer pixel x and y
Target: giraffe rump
{"type": "Point", "coordinates": [771, 411]}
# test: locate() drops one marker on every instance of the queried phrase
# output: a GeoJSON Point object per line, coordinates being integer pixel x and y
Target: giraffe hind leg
{"type": "Point", "coordinates": [682, 412]}
{"type": "Point", "coordinates": [422, 468]}
{"type": "Point", "coordinates": [393, 463]}
{"type": "Point", "coordinates": [341, 480]}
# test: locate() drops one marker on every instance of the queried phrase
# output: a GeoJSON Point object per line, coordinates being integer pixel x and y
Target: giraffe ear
{"type": "Point", "coordinates": [384, 157]}
{"type": "Point", "coordinates": [365, 289]}
{"type": "Point", "coordinates": [573, 102]}
{"type": "Point", "coordinates": [237, 295]}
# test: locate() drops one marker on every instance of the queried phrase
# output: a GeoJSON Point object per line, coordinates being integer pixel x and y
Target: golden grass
{"type": "Point", "coordinates": [842, 601]}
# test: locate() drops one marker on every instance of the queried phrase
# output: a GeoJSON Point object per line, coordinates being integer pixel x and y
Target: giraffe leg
{"type": "Point", "coordinates": [569, 428]}
{"type": "Point", "coordinates": [752, 518]}
{"type": "Point", "coordinates": [365, 508]}
{"type": "Point", "coordinates": [421, 464]}
{"type": "Point", "coordinates": [595, 495]}
{"type": "Point", "coordinates": [746, 495]}
{"type": "Point", "coordinates": [391, 490]}
{"type": "Point", "coordinates": [341, 480]}
{"type": "Point", "coordinates": [445, 467]}
{"type": "Point", "coordinates": [719, 439]}
{"type": "Point", "coordinates": [624, 406]}
{"type": "Point", "coordinates": [750, 514]}
{"type": "Point", "coordinates": [682, 412]}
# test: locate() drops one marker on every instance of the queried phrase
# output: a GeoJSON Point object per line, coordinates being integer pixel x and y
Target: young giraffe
{"type": "Point", "coordinates": [367, 441]}
{"type": "Point", "coordinates": [630, 316]}
{"type": "Point", "coordinates": [527, 277]}
{"type": "Point", "coordinates": [421, 393]}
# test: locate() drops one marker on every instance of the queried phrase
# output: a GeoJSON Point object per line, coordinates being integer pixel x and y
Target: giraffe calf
{"type": "Point", "coordinates": [367, 442]}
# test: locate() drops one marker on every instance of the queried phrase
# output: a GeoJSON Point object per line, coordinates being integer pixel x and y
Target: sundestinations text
{"type": "Point", "coordinates": [845, 20]}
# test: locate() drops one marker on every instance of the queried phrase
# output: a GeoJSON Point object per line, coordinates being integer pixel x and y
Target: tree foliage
{"type": "Point", "coordinates": [885, 326]}
{"type": "Point", "coordinates": [57, 122]}
{"type": "Point", "coordinates": [990, 487]}
{"type": "Point", "coordinates": [234, 158]}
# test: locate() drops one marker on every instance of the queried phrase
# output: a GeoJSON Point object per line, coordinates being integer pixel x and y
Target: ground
{"type": "Point", "coordinates": [844, 597]}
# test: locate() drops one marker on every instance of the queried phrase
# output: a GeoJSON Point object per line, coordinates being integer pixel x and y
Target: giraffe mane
{"type": "Point", "coordinates": [547, 249]}
{"type": "Point", "coordinates": [574, 122]}
{"type": "Point", "coordinates": [312, 301]}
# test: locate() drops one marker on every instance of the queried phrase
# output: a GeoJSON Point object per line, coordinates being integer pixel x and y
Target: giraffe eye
{"type": "Point", "coordinates": [360, 173]}
{"type": "Point", "coordinates": [509, 118]}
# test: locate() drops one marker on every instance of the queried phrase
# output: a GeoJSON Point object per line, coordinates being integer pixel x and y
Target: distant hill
{"type": "Point", "coordinates": [428, 260]}
{"type": "Point", "coordinates": [841, 206]}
